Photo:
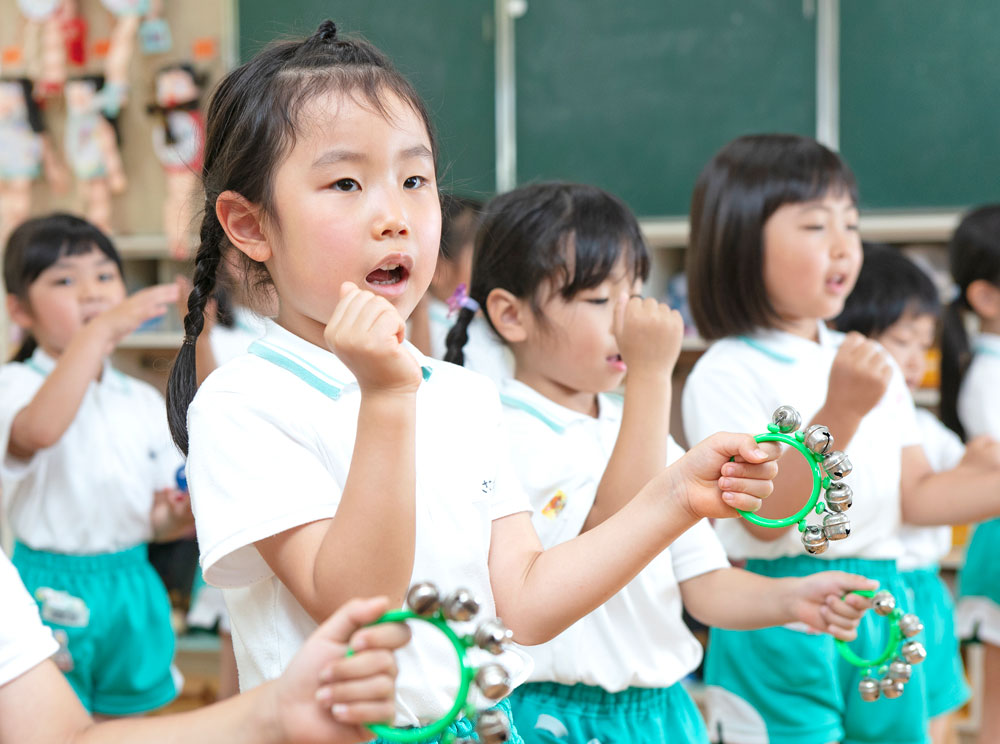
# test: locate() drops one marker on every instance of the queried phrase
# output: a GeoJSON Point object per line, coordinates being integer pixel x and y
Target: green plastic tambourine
{"type": "Point", "coordinates": [882, 678]}
{"type": "Point", "coordinates": [828, 468]}
{"type": "Point", "coordinates": [427, 606]}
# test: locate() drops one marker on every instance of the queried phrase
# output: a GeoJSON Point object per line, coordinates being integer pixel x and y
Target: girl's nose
{"type": "Point", "coordinates": [390, 219]}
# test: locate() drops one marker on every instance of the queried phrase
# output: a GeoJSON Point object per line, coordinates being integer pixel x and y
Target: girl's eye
{"type": "Point", "coordinates": [813, 227]}
{"type": "Point", "coordinates": [106, 277]}
{"type": "Point", "coordinates": [597, 301]}
{"type": "Point", "coordinates": [414, 182]}
{"type": "Point", "coordinates": [63, 281]}
{"type": "Point", "coordinates": [346, 184]}
{"type": "Point", "coordinates": [853, 227]}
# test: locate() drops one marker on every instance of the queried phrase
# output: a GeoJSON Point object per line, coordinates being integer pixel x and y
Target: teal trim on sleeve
{"type": "Point", "coordinates": [426, 372]}
{"type": "Point", "coordinates": [329, 387]}
{"type": "Point", "coordinates": [783, 358]}
{"type": "Point", "coordinates": [520, 405]}
{"type": "Point", "coordinates": [34, 366]}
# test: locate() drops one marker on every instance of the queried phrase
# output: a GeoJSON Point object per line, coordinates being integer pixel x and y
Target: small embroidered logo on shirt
{"type": "Point", "coordinates": [556, 504]}
{"type": "Point", "coordinates": [488, 486]}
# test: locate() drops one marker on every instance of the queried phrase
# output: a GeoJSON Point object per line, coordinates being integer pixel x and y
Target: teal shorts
{"type": "Point", "coordinates": [943, 665]}
{"type": "Point", "coordinates": [111, 616]}
{"type": "Point", "coordinates": [464, 728]}
{"type": "Point", "coordinates": [550, 713]}
{"type": "Point", "coordinates": [789, 687]}
{"type": "Point", "coordinates": [979, 586]}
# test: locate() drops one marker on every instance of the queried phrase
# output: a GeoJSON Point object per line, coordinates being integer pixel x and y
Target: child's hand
{"type": "Point", "coordinates": [366, 333]}
{"type": "Point", "coordinates": [171, 515]}
{"type": "Point", "coordinates": [649, 335]}
{"type": "Point", "coordinates": [860, 375]}
{"type": "Point", "coordinates": [816, 601]}
{"type": "Point", "coordinates": [146, 304]}
{"type": "Point", "coordinates": [325, 697]}
{"type": "Point", "coordinates": [713, 486]}
{"type": "Point", "coordinates": [983, 452]}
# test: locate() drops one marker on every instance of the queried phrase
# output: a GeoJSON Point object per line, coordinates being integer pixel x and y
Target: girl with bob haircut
{"type": "Point", "coordinates": [559, 268]}
{"type": "Point", "coordinates": [334, 460]}
{"type": "Point", "coordinates": [774, 253]}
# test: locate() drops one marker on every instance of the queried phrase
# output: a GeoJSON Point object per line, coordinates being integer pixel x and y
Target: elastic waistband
{"type": "Point", "coordinates": [64, 562]}
{"type": "Point", "coordinates": [932, 569]}
{"type": "Point", "coordinates": [597, 699]}
{"type": "Point", "coordinates": [806, 565]}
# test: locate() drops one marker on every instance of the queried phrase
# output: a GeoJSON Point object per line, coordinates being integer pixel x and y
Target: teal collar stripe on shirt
{"type": "Point", "coordinates": [522, 405]}
{"type": "Point", "coordinates": [304, 370]}
{"type": "Point", "coordinates": [778, 357]}
{"type": "Point", "coordinates": [985, 350]}
{"type": "Point", "coordinates": [34, 366]}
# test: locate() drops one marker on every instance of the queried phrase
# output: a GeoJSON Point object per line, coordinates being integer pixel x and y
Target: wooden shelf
{"type": "Point", "coordinates": [153, 340]}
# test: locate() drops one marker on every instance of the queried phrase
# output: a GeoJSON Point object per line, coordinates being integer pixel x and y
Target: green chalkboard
{"type": "Point", "coordinates": [920, 101]}
{"type": "Point", "coordinates": [444, 47]}
{"type": "Point", "coordinates": [636, 96]}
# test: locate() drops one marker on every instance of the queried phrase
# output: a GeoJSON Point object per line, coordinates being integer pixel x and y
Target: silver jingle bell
{"type": "Point", "coordinates": [491, 636]}
{"type": "Point", "coordinates": [787, 419]}
{"type": "Point", "coordinates": [900, 671]}
{"type": "Point", "coordinates": [836, 526]}
{"type": "Point", "coordinates": [814, 540]}
{"type": "Point", "coordinates": [914, 652]}
{"type": "Point", "coordinates": [494, 681]}
{"type": "Point", "coordinates": [883, 603]}
{"type": "Point", "coordinates": [818, 439]}
{"type": "Point", "coordinates": [423, 598]}
{"type": "Point", "coordinates": [837, 465]}
{"type": "Point", "coordinates": [460, 606]}
{"type": "Point", "coordinates": [839, 497]}
{"type": "Point", "coordinates": [910, 625]}
{"type": "Point", "coordinates": [869, 689]}
{"type": "Point", "coordinates": [891, 688]}
{"type": "Point", "coordinates": [492, 727]}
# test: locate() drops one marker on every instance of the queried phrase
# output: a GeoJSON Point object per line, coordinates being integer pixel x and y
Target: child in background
{"type": "Point", "coordinates": [88, 465]}
{"type": "Point", "coordinates": [895, 303]}
{"type": "Point", "coordinates": [970, 405]}
{"type": "Point", "coordinates": [334, 460]}
{"type": "Point", "coordinates": [316, 700]}
{"type": "Point", "coordinates": [774, 252]}
{"type": "Point", "coordinates": [435, 314]}
{"type": "Point", "coordinates": [558, 269]}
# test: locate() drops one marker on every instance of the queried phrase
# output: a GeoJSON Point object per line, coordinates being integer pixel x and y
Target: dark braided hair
{"type": "Point", "coordinates": [974, 254]}
{"type": "Point", "coordinates": [250, 127]}
{"type": "Point", "coordinates": [567, 234]}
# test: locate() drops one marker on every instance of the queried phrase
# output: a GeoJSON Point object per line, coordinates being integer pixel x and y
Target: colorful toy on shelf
{"type": "Point", "coordinates": [179, 142]}
{"type": "Point", "coordinates": [91, 144]}
{"type": "Point", "coordinates": [814, 444]}
{"type": "Point", "coordinates": [886, 674]}
{"type": "Point", "coordinates": [128, 17]}
{"type": "Point", "coordinates": [45, 46]}
{"type": "Point", "coordinates": [427, 605]}
{"type": "Point", "coordinates": [25, 153]}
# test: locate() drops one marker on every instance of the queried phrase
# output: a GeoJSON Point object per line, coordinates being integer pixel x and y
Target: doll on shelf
{"type": "Point", "coordinates": [92, 145]}
{"type": "Point", "coordinates": [45, 44]}
{"type": "Point", "coordinates": [128, 17]}
{"type": "Point", "coordinates": [179, 142]}
{"type": "Point", "coordinates": [25, 152]}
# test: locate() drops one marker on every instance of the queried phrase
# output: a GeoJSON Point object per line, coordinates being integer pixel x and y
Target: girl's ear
{"type": "Point", "coordinates": [509, 314]}
{"type": "Point", "coordinates": [984, 297]}
{"type": "Point", "coordinates": [242, 222]}
{"type": "Point", "coordinates": [18, 311]}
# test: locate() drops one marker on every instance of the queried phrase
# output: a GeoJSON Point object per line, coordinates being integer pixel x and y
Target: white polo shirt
{"type": "Point", "coordinates": [228, 343]}
{"type": "Point", "coordinates": [92, 491]}
{"type": "Point", "coordinates": [638, 637]}
{"type": "Point", "coordinates": [979, 397]}
{"type": "Point", "coordinates": [484, 352]}
{"type": "Point", "coordinates": [271, 440]}
{"type": "Point", "coordinates": [925, 546]}
{"type": "Point", "coordinates": [738, 383]}
{"type": "Point", "coordinates": [24, 641]}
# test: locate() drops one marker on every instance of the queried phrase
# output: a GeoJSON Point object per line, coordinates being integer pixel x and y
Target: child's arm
{"type": "Point", "coordinates": [539, 593]}
{"type": "Point", "coordinates": [46, 418]}
{"type": "Point", "coordinates": [649, 337]}
{"type": "Point", "coordinates": [367, 548]}
{"type": "Point", "coordinates": [858, 379]}
{"type": "Point", "coordinates": [322, 697]}
{"type": "Point", "coordinates": [969, 492]}
{"type": "Point", "coordinates": [740, 600]}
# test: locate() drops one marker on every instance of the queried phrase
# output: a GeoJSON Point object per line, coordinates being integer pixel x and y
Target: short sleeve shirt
{"type": "Point", "coordinates": [638, 638]}
{"type": "Point", "coordinates": [738, 383]}
{"type": "Point", "coordinates": [24, 641]}
{"type": "Point", "coordinates": [979, 397]}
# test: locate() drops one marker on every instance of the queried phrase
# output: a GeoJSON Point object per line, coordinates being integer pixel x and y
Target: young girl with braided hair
{"type": "Point", "coordinates": [334, 460]}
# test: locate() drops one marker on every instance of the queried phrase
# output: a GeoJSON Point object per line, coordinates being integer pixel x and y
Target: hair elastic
{"type": "Point", "coordinates": [460, 299]}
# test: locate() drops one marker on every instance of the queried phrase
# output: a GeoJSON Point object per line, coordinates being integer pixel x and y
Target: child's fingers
{"type": "Point", "coordinates": [359, 666]}
{"type": "Point", "coordinates": [350, 306]}
{"type": "Point", "coordinates": [356, 613]}
{"type": "Point", "coordinates": [741, 501]}
{"type": "Point", "coordinates": [359, 714]}
{"type": "Point", "coordinates": [384, 635]}
{"type": "Point", "coordinates": [372, 688]}
{"type": "Point", "coordinates": [749, 450]}
{"type": "Point", "coordinates": [764, 470]}
{"type": "Point", "coordinates": [842, 612]}
{"type": "Point", "coordinates": [750, 486]}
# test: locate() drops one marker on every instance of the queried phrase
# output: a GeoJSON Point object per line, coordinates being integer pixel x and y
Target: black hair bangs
{"type": "Point", "coordinates": [40, 242]}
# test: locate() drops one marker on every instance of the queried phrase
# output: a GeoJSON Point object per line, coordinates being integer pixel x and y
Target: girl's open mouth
{"type": "Point", "coordinates": [616, 362]}
{"type": "Point", "coordinates": [388, 274]}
